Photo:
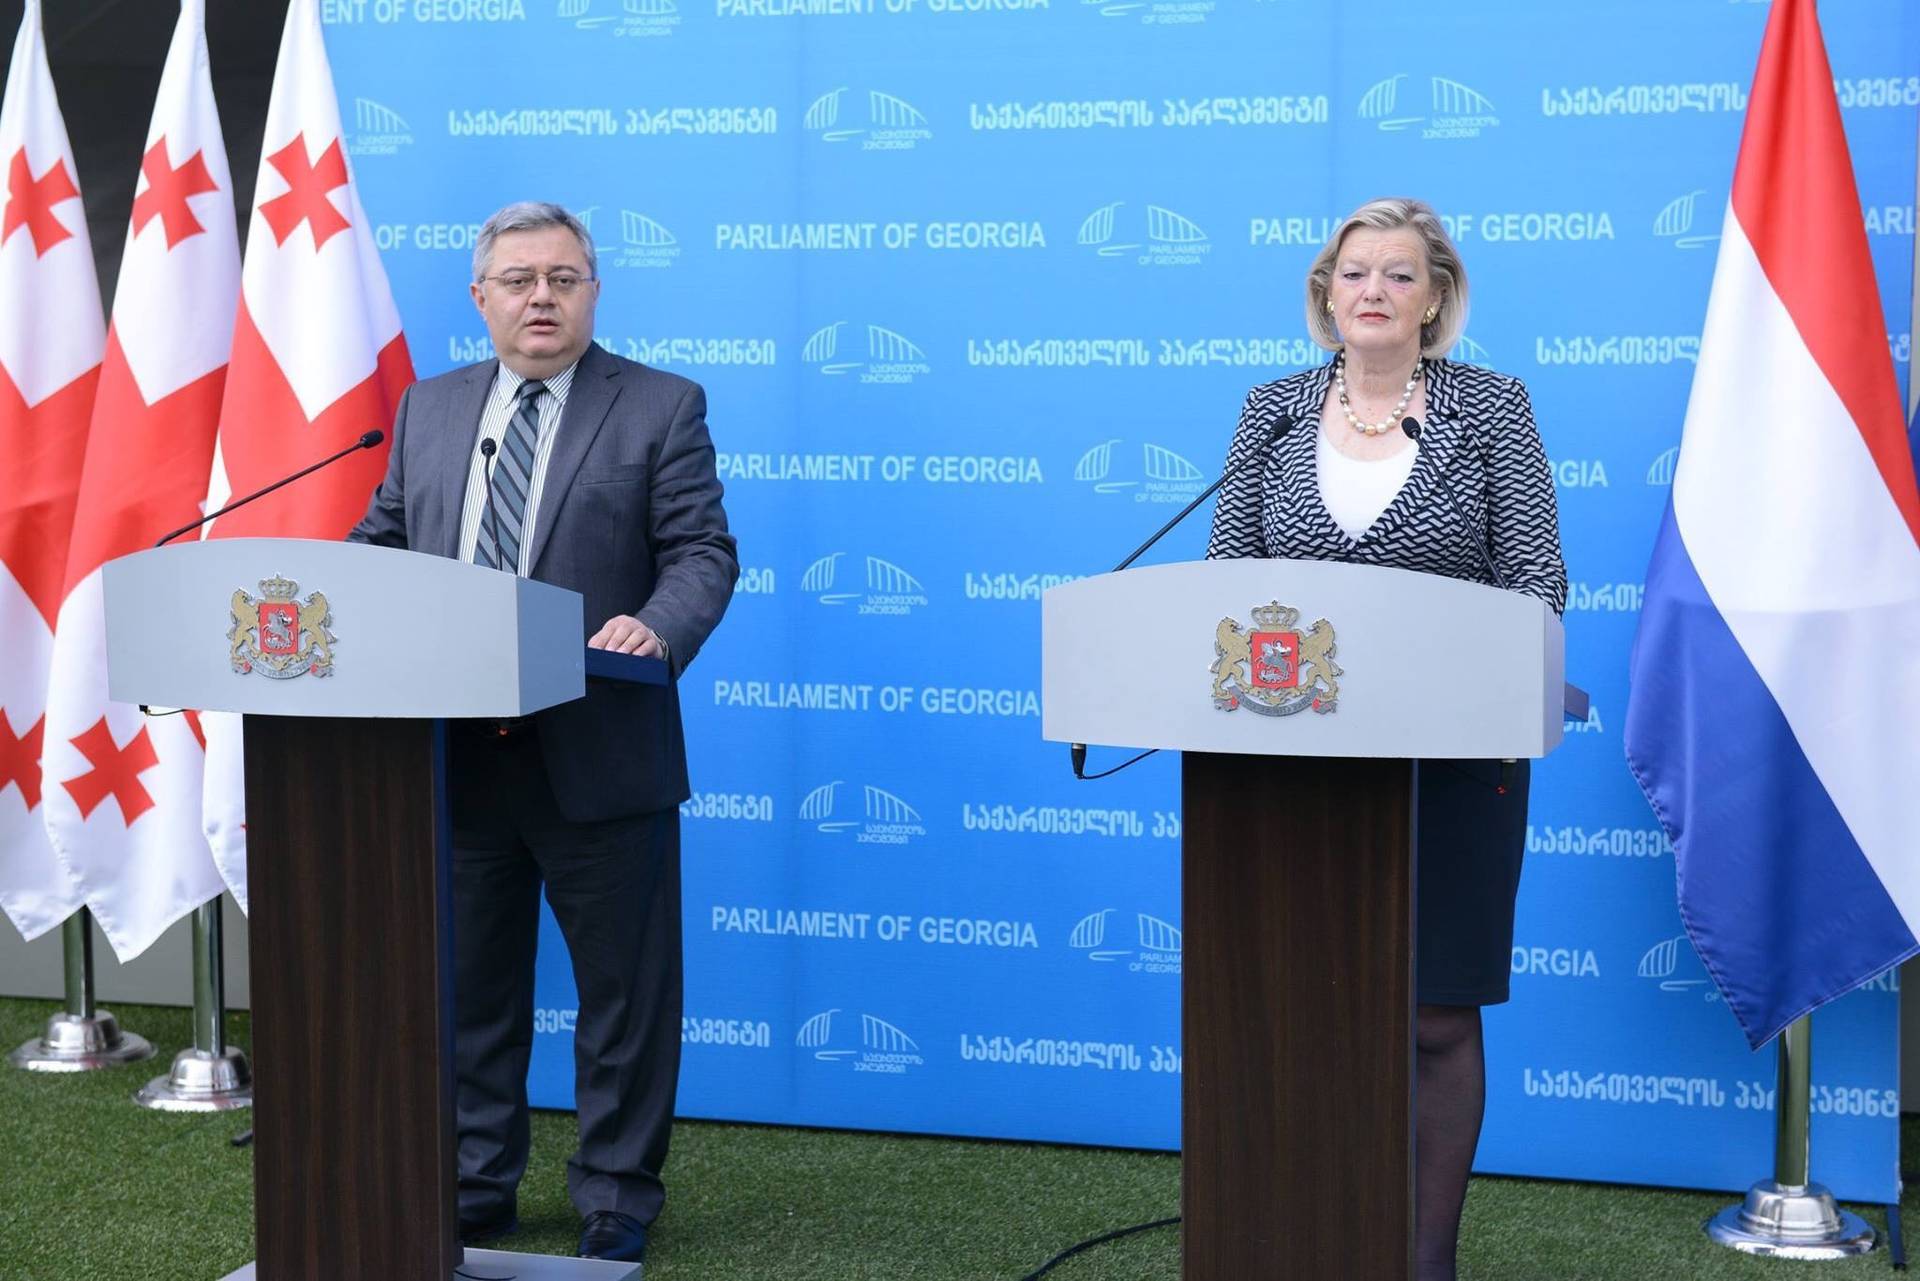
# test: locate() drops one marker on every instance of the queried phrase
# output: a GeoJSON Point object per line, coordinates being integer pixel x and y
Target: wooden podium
{"type": "Point", "coordinates": [1298, 863]}
{"type": "Point", "coordinates": [347, 851]}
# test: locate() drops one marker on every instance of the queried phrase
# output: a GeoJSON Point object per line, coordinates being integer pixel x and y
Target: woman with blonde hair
{"type": "Point", "coordinates": [1388, 296]}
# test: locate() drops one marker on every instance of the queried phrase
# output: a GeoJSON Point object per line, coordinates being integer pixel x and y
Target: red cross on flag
{"type": "Point", "coordinates": [51, 334]}
{"type": "Point", "coordinates": [318, 358]}
{"type": "Point", "coordinates": [123, 791]}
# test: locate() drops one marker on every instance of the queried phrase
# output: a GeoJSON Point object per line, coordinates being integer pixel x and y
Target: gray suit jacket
{"type": "Point", "coordinates": [629, 517]}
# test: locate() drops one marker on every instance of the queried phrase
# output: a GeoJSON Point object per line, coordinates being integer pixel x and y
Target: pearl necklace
{"type": "Point", "coordinates": [1392, 419]}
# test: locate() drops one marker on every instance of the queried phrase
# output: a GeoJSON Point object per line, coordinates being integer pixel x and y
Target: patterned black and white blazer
{"type": "Point", "coordinates": [1479, 431]}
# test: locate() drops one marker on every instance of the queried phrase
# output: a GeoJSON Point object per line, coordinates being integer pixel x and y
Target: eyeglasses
{"type": "Point", "coordinates": [522, 282]}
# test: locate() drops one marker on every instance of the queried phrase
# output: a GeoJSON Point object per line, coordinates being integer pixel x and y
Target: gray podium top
{"type": "Point", "coordinates": [1426, 666]}
{"type": "Point", "coordinates": [404, 634]}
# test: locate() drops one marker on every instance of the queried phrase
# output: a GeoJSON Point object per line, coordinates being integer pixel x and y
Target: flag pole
{"type": "Point", "coordinates": [1789, 1216]}
{"type": "Point", "coordinates": [211, 1076]}
{"type": "Point", "coordinates": [82, 1036]}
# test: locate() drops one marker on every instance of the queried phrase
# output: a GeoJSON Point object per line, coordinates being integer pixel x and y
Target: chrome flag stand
{"type": "Point", "coordinates": [1788, 1217]}
{"type": "Point", "coordinates": [212, 1076]}
{"type": "Point", "coordinates": [81, 1037]}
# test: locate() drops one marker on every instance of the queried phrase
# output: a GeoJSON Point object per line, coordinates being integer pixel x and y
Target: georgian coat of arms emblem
{"type": "Point", "coordinates": [278, 635]}
{"type": "Point", "coordinates": [1273, 667]}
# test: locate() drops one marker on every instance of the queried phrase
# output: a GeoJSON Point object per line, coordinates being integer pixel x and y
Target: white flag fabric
{"type": "Point", "coordinates": [318, 358]}
{"type": "Point", "coordinates": [126, 817]}
{"type": "Point", "coordinates": [51, 337]}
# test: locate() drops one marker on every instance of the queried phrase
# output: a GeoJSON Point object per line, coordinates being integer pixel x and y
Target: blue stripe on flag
{"type": "Point", "coordinates": [1781, 904]}
{"type": "Point", "coordinates": [1913, 428]}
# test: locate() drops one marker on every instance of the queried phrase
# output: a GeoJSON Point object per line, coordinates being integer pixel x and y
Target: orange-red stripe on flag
{"type": "Point", "coordinates": [1795, 198]}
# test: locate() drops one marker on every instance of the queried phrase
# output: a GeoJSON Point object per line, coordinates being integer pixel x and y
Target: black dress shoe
{"type": "Point", "coordinates": [609, 1234]}
{"type": "Point", "coordinates": [481, 1231]}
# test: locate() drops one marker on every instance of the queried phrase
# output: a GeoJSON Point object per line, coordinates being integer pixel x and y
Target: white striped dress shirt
{"type": "Point", "coordinates": [493, 424]}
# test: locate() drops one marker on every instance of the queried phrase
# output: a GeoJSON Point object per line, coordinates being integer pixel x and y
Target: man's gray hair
{"type": "Point", "coordinates": [530, 215]}
{"type": "Point", "coordinates": [1449, 274]}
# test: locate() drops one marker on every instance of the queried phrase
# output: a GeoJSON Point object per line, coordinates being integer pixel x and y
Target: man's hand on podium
{"type": "Point", "coordinates": [625, 634]}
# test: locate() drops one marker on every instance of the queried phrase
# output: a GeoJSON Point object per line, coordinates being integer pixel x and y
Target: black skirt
{"type": "Point", "coordinates": [1471, 839]}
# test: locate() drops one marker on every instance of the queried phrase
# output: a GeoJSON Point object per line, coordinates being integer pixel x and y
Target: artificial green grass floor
{"type": "Point", "coordinates": [92, 1187]}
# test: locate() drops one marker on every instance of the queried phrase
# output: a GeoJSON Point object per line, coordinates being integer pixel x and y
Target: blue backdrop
{"type": "Point", "coordinates": [976, 288]}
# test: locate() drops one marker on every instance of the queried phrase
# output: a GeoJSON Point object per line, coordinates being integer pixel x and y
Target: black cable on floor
{"type": "Point", "coordinates": [1090, 1242]}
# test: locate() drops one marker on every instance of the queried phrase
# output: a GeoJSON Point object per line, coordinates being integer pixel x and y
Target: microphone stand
{"type": "Point", "coordinates": [488, 448]}
{"type": "Point", "coordinates": [1413, 431]}
{"type": "Point", "coordinates": [1280, 428]}
{"type": "Point", "coordinates": [366, 441]}
{"type": "Point", "coordinates": [1077, 752]}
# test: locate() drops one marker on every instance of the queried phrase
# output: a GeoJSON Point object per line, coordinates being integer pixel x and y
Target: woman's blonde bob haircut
{"type": "Point", "coordinates": [1443, 264]}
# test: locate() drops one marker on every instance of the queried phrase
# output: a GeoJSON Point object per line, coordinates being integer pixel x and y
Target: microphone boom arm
{"type": "Point", "coordinates": [1274, 433]}
{"type": "Point", "coordinates": [367, 441]}
{"type": "Point", "coordinates": [1412, 428]}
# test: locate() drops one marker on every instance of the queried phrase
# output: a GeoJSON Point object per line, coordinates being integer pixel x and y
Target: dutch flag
{"type": "Point", "coordinates": [1774, 718]}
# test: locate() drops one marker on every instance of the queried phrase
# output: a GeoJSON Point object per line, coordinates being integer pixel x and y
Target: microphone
{"type": "Point", "coordinates": [367, 441]}
{"type": "Point", "coordinates": [1281, 426]}
{"type": "Point", "coordinates": [1412, 429]}
{"type": "Point", "coordinates": [488, 448]}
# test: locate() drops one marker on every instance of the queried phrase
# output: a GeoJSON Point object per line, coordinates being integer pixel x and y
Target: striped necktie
{"type": "Point", "coordinates": [512, 482]}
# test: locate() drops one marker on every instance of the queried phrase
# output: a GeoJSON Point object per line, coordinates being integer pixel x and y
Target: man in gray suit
{"type": "Point", "coordinates": [602, 480]}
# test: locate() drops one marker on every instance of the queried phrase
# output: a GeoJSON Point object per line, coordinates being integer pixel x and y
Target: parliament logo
{"type": "Point", "coordinates": [881, 819]}
{"type": "Point", "coordinates": [588, 216]}
{"type": "Point", "coordinates": [1455, 110]}
{"type": "Point", "coordinates": [1167, 477]}
{"type": "Point", "coordinates": [889, 357]}
{"type": "Point", "coordinates": [1678, 221]}
{"type": "Point", "coordinates": [643, 243]}
{"type": "Point", "coordinates": [379, 131]}
{"type": "Point", "coordinates": [888, 589]}
{"type": "Point", "coordinates": [1273, 668]}
{"type": "Point", "coordinates": [1159, 238]}
{"type": "Point", "coordinates": [880, 1047]}
{"type": "Point", "coordinates": [890, 123]}
{"type": "Point", "coordinates": [1153, 13]}
{"type": "Point", "coordinates": [1469, 352]}
{"type": "Point", "coordinates": [625, 18]}
{"type": "Point", "coordinates": [1676, 967]}
{"type": "Point", "coordinates": [278, 635]}
{"type": "Point", "coordinates": [1660, 472]}
{"type": "Point", "coordinates": [1154, 949]}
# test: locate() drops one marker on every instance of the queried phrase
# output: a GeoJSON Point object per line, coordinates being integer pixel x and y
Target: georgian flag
{"type": "Point", "coordinates": [125, 815]}
{"type": "Point", "coordinates": [318, 358]}
{"type": "Point", "coordinates": [1774, 718]}
{"type": "Point", "coordinates": [51, 335]}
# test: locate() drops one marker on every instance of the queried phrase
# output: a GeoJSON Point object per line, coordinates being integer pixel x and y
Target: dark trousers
{"type": "Point", "coordinates": [615, 891]}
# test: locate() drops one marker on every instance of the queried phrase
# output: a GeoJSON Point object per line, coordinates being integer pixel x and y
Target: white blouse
{"type": "Point", "coordinates": [1356, 492]}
